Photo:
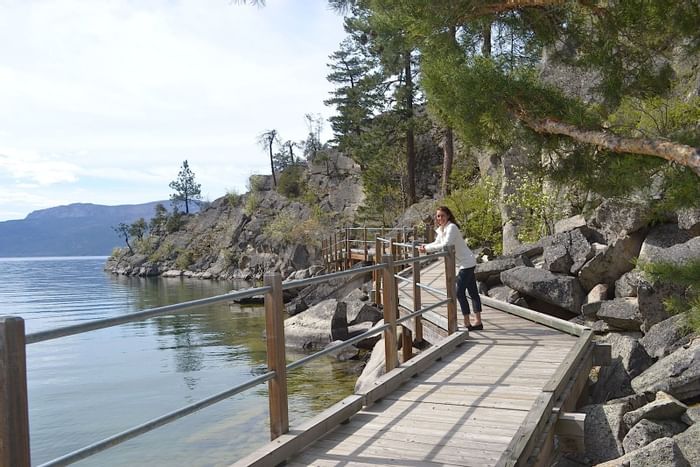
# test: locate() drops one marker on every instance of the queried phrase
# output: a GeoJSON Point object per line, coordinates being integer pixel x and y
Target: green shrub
{"type": "Point", "coordinates": [291, 183]}
{"type": "Point", "coordinates": [688, 275]}
{"type": "Point", "coordinates": [476, 210]}
{"type": "Point", "coordinates": [256, 183]}
{"type": "Point", "coordinates": [145, 245]}
{"type": "Point", "coordinates": [287, 228]}
{"type": "Point", "coordinates": [165, 251]}
{"type": "Point", "coordinates": [252, 202]}
{"type": "Point", "coordinates": [175, 221]}
{"type": "Point", "coordinates": [184, 259]}
{"type": "Point", "coordinates": [537, 204]}
{"type": "Point", "coordinates": [231, 258]}
{"type": "Point", "coordinates": [232, 197]}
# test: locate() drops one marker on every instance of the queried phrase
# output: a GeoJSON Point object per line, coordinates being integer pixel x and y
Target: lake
{"type": "Point", "coordinates": [87, 387]}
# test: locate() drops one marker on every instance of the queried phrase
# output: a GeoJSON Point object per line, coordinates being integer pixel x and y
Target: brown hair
{"type": "Point", "coordinates": [448, 213]}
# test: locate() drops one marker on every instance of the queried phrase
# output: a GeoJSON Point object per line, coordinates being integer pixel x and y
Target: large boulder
{"type": "Point", "coordinates": [566, 252]}
{"type": "Point", "coordinates": [677, 374]}
{"type": "Point", "coordinates": [613, 382]}
{"type": "Point", "coordinates": [689, 445]}
{"type": "Point", "coordinates": [663, 452]}
{"type": "Point", "coordinates": [504, 294]}
{"type": "Point", "coordinates": [664, 407]}
{"type": "Point", "coordinates": [647, 431]}
{"type": "Point", "coordinates": [621, 313]}
{"type": "Point", "coordinates": [563, 291]}
{"type": "Point", "coordinates": [318, 326]}
{"type": "Point", "coordinates": [628, 283]}
{"type": "Point", "coordinates": [570, 223]}
{"type": "Point", "coordinates": [610, 263]}
{"type": "Point", "coordinates": [490, 269]}
{"type": "Point", "coordinates": [667, 336]}
{"type": "Point", "coordinates": [603, 431]}
{"type": "Point", "coordinates": [373, 370]}
{"type": "Point", "coordinates": [615, 218]}
{"type": "Point", "coordinates": [666, 242]}
{"type": "Point", "coordinates": [627, 349]}
{"type": "Point", "coordinates": [651, 298]}
{"type": "Point", "coordinates": [689, 220]}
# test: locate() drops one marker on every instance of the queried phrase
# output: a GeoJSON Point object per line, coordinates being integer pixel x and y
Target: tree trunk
{"type": "Point", "coordinates": [410, 140]}
{"type": "Point", "coordinates": [679, 153]}
{"type": "Point", "coordinates": [448, 151]}
{"type": "Point", "coordinates": [486, 44]}
{"type": "Point", "coordinates": [272, 166]}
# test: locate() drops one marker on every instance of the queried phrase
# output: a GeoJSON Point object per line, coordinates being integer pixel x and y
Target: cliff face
{"type": "Point", "coordinates": [241, 237]}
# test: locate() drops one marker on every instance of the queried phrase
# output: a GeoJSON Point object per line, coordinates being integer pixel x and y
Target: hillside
{"type": "Point", "coordinates": [80, 229]}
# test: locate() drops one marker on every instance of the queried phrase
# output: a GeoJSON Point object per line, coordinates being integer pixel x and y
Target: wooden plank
{"type": "Point", "coordinates": [459, 442]}
{"type": "Point", "coordinates": [568, 366]}
{"type": "Point", "coordinates": [436, 427]}
{"type": "Point", "coordinates": [355, 450]}
{"type": "Point", "coordinates": [551, 321]}
{"type": "Point", "coordinates": [390, 381]}
{"type": "Point", "coordinates": [287, 445]}
{"type": "Point", "coordinates": [14, 421]}
{"type": "Point", "coordinates": [527, 431]}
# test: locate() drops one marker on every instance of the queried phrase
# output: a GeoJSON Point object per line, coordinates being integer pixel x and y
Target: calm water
{"type": "Point", "coordinates": [84, 388]}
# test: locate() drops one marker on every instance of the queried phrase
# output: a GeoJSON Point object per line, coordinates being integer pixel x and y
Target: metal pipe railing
{"type": "Point", "coordinates": [150, 425]}
{"type": "Point", "coordinates": [275, 377]}
{"type": "Point", "coordinates": [41, 336]}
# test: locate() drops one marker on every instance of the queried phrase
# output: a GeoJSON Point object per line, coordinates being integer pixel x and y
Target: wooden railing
{"type": "Point", "coordinates": [14, 431]}
{"type": "Point", "coordinates": [345, 247]}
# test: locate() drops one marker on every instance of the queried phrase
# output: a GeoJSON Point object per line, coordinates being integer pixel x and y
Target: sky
{"type": "Point", "coordinates": [102, 100]}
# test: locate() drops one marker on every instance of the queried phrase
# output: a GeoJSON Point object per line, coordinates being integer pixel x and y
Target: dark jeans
{"type": "Point", "coordinates": [467, 281]}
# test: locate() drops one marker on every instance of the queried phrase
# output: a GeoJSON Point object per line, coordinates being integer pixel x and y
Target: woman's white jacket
{"type": "Point", "coordinates": [450, 235]}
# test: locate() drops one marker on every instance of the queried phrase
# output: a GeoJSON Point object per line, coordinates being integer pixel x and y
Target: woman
{"type": "Point", "coordinates": [448, 233]}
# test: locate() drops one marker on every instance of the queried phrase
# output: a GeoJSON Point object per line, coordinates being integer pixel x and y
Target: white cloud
{"type": "Point", "coordinates": [101, 101]}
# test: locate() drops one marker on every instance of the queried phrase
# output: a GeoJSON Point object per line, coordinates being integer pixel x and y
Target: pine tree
{"type": "Point", "coordinates": [186, 188]}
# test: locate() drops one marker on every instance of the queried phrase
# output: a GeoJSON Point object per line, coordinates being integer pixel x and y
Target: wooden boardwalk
{"type": "Point", "coordinates": [466, 409]}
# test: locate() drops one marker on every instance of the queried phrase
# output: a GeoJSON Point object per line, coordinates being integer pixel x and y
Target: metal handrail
{"type": "Point", "coordinates": [118, 438]}
{"type": "Point", "coordinates": [150, 425]}
{"type": "Point", "coordinates": [50, 334]}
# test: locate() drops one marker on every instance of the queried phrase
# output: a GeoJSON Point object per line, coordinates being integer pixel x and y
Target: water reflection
{"type": "Point", "coordinates": [87, 387]}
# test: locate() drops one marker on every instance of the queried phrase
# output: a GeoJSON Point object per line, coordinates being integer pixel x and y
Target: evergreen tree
{"type": "Point", "coordinates": [186, 188]}
{"type": "Point", "coordinates": [630, 45]}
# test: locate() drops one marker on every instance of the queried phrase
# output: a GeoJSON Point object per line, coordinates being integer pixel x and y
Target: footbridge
{"type": "Point", "coordinates": [500, 396]}
{"type": "Point", "coordinates": [496, 397]}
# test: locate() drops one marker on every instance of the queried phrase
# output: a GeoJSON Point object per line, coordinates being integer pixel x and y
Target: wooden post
{"type": "Point", "coordinates": [364, 242]}
{"type": "Point", "coordinates": [390, 310]}
{"type": "Point", "coordinates": [378, 253]}
{"type": "Point", "coordinates": [348, 256]}
{"type": "Point", "coordinates": [276, 358]}
{"type": "Point", "coordinates": [417, 302]}
{"type": "Point", "coordinates": [406, 344]}
{"type": "Point", "coordinates": [335, 251]}
{"type": "Point", "coordinates": [14, 411]}
{"type": "Point", "coordinates": [450, 286]}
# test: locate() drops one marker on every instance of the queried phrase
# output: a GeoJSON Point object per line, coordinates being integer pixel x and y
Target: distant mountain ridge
{"type": "Point", "coordinates": [125, 212]}
{"type": "Point", "coordinates": [79, 229]}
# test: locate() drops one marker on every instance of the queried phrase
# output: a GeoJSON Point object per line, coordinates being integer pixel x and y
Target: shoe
{"type": "Point", "coordinates": [476, 327]}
